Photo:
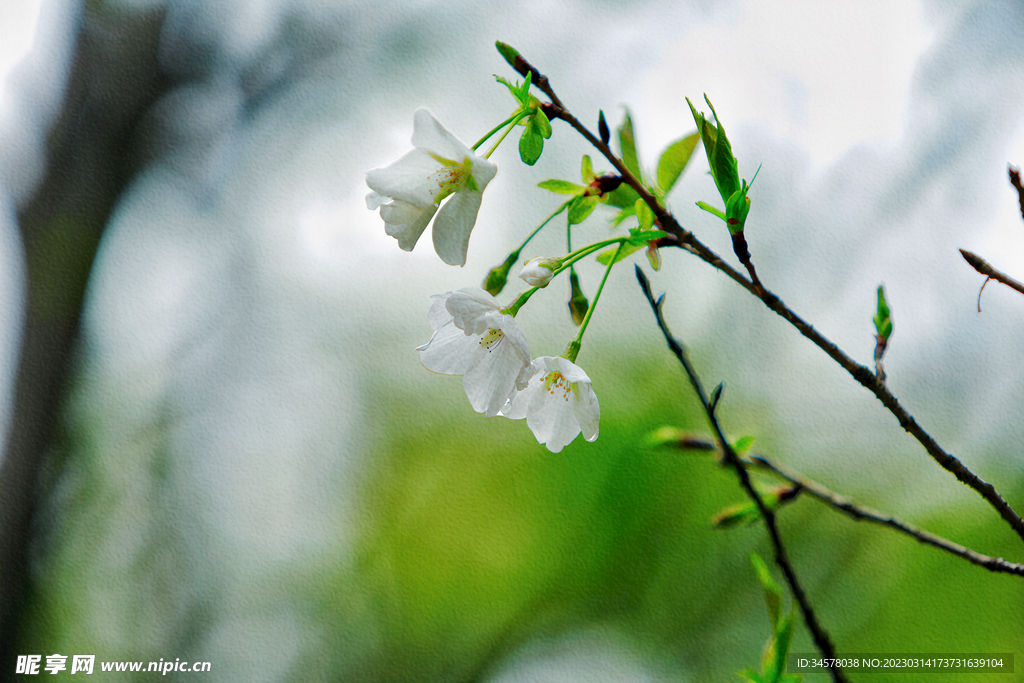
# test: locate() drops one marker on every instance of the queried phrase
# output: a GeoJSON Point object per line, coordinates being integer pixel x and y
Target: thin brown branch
{"type": "Point", "coordinates": [818, 633]}
{"type": "Point", "coordinates": [859, 512]}
{"type": "Point", "coordinates": [983, 267]}
{"type": "Point", "coordinates": [862, 374]}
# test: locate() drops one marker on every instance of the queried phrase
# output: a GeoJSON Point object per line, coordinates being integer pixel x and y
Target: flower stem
{"type": "Point", "coordinates": [514, 117]}
{"type": "Point", "coordinates": [597, 297]}
{"type": "Point", "coordinates": [570, 259]}
{"type": "Point", "coordinates": [546, 221]}
{"type": "Point", "coordinates": [511, 122]}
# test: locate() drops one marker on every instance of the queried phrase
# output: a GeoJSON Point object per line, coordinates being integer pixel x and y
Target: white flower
{"type": "Point", "coordinates": [410, 190]}
{"type": "Point", "coordinates": [558, 403]}
{"type": "Point", "coordinates": [537, 272]}
{"type": "Point", "coordinates": [473, 338]}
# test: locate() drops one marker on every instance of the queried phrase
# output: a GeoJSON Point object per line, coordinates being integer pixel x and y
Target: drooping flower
{"type": "Point", "coordinates": [410, 190]}
{"type": "Point", "coordinates": [538, 271]}
{"type": "Point", "coordinates": [473, 338]}
{"type": "Point", "coordinates": [558, 403]}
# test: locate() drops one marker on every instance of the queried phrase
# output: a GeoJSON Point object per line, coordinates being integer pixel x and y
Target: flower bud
{"type": "Point", "coordinates": [578, 304]}
{"type": "Point", "coordinates": [538, 271]}
{"type": "Point", "coordinates": [498, 276]}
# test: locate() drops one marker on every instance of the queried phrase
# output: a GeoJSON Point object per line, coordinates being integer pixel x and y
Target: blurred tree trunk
{"type": "Point", "coordinates": [90, 163]}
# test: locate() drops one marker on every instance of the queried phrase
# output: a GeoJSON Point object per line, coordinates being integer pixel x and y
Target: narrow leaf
{"type": "Point", "coordinates": [561, 186]}
{"type": "Point", "coordinates": [644, 214]}
{"type": "Point", "coordinates": [628, 145]}
{"type": "Point", "coordinates": [674, 160]}
{"type": "Point", "coordinates": [605, 257]}
{"type": "Point", "coordinates": [710, 209]}
{"type": "Point", "coordinates": [587, 170]}
{"type": "Point", "coordinates": [772, 591]}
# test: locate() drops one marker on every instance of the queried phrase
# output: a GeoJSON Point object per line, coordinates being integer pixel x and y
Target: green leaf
{"type": "Point", "coordinates": [628, 145]}
{"type": "Point", "coordinates": [605, 257]}
{"type": "Point", "coordinates": [749, 674]}
{"type": "Point", "coordinates": [743, 445]}
{"type": "Point", "coordinates": [710, 209]}
{"type": "Point", "coordinates": [624, 197]}
{"type": "Point", "coordinates": [674, 160]}
{"type": "Point", "coordinates": [561, 186]}
{"type": "Point", "coordinates": [883, 324]}
{"type": "Point", "coordinates": [791, 678]}
{"type": "Point", "coordinates": [774, 669]}
{"type": "Point", "coordinates": [543, 123]}
{"type": "Point", "coordinates": [581, 208]}
{"type": "Point", "coordinates": [640, 237]}
{"type": "Point", "coordinates": [587, 170]}
{"type": "Point", "coordinates": [716, 395]}
{"type": "Point", "coordinates": [644, 214]}
{"type": "Point", "coordinates": [531, 144]}
{"type": "Point", "coordinates": [736, 515]}
{"type": "Point", "coordinates": [772, 591]}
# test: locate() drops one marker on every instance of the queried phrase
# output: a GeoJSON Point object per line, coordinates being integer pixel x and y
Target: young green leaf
{"type": "Point", "coordinates": [561, 186]}
{"type": "Point", "coordinates": [644, 214]}
{"type": "Point", "coordinates": [716, 395]}
{"type": "Point", "coordinates": [628, 145]}
{"type": "Point", "coordinates": [641, 237]}
{"type": "Point", "coordinates": [587, 170]}
{"type": "Point", "coordinates": [776, 666]}
{"type": "Point", "coordinates": [772, 591]}
{"type": "Point", "coordinates": [531, 145]}
{"type": "Point", "coordinates": [581, 207]}
{"type": "Point", "coordinates": [883, 323]}
{"type": "Point", "coordinates": [543, 123]}
{"type": "Point", "coordinates": [674, 160]}
{"type": "Point", "coordinates": [736, 515]}
{"type": "Point", "coordinates": [605, 257]}
{"type": "Point", "coordinates": [743, 445]}
{"type": "Point", "coordinates": [752, 676]}
{"type": "Point", "coordinates": [710, 209]}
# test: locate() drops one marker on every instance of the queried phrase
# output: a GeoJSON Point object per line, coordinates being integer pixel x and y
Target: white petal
{"type": "Point", "coordinates": [483, 172]}
{"type": "Point", "coordinates": [407, 179]}
{"type": "Point", "coordinates": [438, 315]}
{"type": "Point", "coordinates": [588, 411]}
{"type": "Point", "coordinates": [449, 351]}
{"type": "Point", "coordinates": [431, 137]}
{"type": "Point", "coordinates": [453, 226]}
{"type": "Point", "coordinates": [491, 377]}
{"type": "Point", "coordinates": [374, 200]}
{"type": "Point", "coordinates": [471, 307]}
{"type": "Point", "coordinates": [551, 417]}
{"type": "Point", "coordinates": [406, 222]}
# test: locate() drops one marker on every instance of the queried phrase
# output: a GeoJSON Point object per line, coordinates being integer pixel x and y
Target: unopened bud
{"type": "Point", "coordinates": [578, 304]}
{"type": "Point", "coordinates": [606, 183]}
{"type": "Point", "coordinates": [538, 271]}
{"type": "Point", "coordinates": [498, 276]}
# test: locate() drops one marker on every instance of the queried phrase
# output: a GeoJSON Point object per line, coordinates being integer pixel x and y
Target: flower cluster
{"type": "Point", "coordinates": [474, 338]}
